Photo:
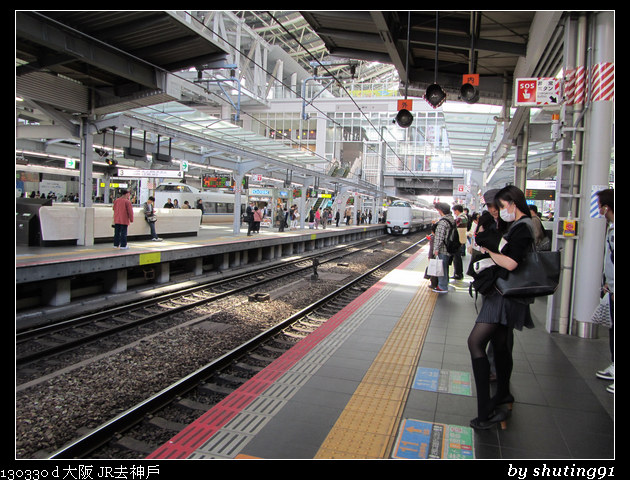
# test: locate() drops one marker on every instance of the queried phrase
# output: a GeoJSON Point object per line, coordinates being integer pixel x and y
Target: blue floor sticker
{"type": "Point", "coordinates": [418, 439]}
{"type": "Point", "coordinates": [442, 381]}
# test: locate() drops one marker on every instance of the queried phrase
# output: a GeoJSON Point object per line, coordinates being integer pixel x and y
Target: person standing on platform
{"type": "Point", "coordinates": [249, 218]}
{"type": "Point", "coordinates": [258, 216]}
{"type": "Point", "coordinates": [499, 314]}
{"type": "Point", "coordinates": [337, 218]}
{"type": "Point", "coordinates": [294, 217]}
{"type": "Point", "coordinates": [442, 230]}
{"type": "Point", "coordinates": [200, 207]}
{"type": "Point", "coordinates": [168, 203]}
{"type": "Point", "coordinates": [280, 218]}
{"type": "Point", "coordinates": [606, 204]}
{"type": "Point", "coordinates": [461, 220]}
{"type": "Point", "coordinates": [123, 216]}
{"type": "Point", "coordinates": [151, 218]}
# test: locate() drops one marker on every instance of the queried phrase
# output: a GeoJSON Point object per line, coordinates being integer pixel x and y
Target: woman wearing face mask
{"type": "Point", "coordinates": [499, 314]}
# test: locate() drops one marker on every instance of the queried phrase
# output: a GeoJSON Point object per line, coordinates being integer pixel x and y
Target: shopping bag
{"type": "Point", "coordinates": [601, 315]}
{"type": "Point", "coordinates": [436, 267]}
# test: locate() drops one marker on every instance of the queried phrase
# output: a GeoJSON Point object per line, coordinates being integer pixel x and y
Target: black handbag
{"type": "Point", "coordinates": [537, 275]}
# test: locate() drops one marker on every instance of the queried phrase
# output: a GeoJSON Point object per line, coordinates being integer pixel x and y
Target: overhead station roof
{"type": "Point", "coordinates": [111, 61]}
{"type": "Point", "coordinates": [113, 56]}
{"type": "Point", "coordinates": [429, 47]}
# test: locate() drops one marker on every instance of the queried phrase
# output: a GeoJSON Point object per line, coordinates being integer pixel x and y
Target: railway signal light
{"type": "Point", "coordinates": [435, 95]}
{"type": "Point", "coordinates": [469, 93]}
{"type": "Point", "coordinates": [404, 119]}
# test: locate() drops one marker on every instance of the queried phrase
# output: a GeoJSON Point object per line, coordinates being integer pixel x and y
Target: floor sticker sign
{"type": "Point", "coordinates": [442, 381]}
{"type": "Point", "coordinates": [418, 439]}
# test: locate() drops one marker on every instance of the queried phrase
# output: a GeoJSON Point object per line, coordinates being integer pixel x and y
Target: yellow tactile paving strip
{"type": "Point", "coordinates": [369, 424]}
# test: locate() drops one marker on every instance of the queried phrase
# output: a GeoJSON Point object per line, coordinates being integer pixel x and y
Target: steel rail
{"type": "Point", "coordinates": [71, 344]}
{"type": "Point", "coordinates": [126, 420]}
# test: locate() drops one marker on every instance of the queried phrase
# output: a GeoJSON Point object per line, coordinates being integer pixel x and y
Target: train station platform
{"type": "Point", "coordinates": [389, 376]}
{"type": "Point", "coordinates": [55, 277]}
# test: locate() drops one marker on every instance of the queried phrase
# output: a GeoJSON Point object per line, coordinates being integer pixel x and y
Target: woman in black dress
{"type": "Point", "coordinates": [500, 314]}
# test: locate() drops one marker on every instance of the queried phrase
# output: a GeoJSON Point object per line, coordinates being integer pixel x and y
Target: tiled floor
{"type": "Point", "coordinates": [342, 392]}
{"type": "Point", "coordinates": [561, 411]}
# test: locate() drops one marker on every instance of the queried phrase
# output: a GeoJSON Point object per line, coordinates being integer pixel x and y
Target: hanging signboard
{"type": "Point", "coordinates": [536, 92]}
{"type": "Point", "coordinates": [406, 104]}
{"type": "Point", "coordinates": [472, 78]}
{"type": "Point", "coordinates": [129, 172]}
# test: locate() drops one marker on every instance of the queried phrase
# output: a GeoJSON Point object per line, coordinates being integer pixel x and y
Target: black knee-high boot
{"type": "Point", "coordinates": [481, 372]}
{"type": "Point", "coordinates": [504, 365]}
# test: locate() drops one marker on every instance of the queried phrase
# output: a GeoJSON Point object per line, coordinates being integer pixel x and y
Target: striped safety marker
{"type": "Point", "coordinates": [603, 82]}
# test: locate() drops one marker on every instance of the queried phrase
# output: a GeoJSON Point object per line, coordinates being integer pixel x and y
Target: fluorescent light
{"type": "Point", "coordinates": [496, 167]}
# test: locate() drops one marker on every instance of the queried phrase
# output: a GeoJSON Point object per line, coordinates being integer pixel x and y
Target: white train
{"type": "Point", "coordinates": [403, 217]}
{"type": "Point", "coordinates": [218, 207]}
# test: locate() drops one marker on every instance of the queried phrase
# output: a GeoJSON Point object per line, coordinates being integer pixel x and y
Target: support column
{"type": "Point", "coordinates": [238, 190]}
{"type": "Point", "coordinates": [596, 175]}
{"type": "Point", "coordinates": [115, 281]}
{"type": "Point", "coordinates": [56, 292]}
{"type": "Point", "coordinates": [522, 148]}
{"type": "Point", "coordinates": [162, 272]}
{"type": "Point", "coordinates": [85, 166]}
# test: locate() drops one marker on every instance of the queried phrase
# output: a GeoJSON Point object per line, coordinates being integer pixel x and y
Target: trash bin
{"type": "Point", "coordinates": [27, 227]}
{"type": "Point", "coordinates": [27, 231]}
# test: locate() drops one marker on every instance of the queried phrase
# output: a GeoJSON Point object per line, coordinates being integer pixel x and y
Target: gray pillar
{"type": "Point", "coordinates": [520, 170]}
{"type": "Point", "coordinates": [56, 292]}
{"type": "Point", "coordinates": [85, 166]}
{"type": "Point", "coordinates": [238, 191]}
{"type": "Point", "coordinates": [596, 175]}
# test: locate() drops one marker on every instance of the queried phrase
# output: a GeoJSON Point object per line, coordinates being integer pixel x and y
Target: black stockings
{"type": "Point", "coordinates": [481, 335]}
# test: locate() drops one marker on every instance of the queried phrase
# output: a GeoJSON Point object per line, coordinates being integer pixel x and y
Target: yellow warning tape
{"type": "Point", "coordinates": [367, 428]}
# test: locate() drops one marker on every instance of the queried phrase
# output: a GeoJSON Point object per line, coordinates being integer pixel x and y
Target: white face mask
{"type": "Point", "coordinates": [507, 216]}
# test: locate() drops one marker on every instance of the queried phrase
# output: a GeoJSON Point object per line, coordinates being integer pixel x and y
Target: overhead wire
{"type": "Point", "coordinates": [348, 94]}
{"type": "Point", "coordinates": [297, 93]}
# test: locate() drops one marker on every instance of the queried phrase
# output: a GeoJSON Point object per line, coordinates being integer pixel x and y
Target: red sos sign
{"type": "Point", "coordinates": [525, 91]}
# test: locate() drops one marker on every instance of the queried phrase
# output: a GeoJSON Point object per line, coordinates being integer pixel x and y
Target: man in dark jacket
{"type": "Point", "coordinates": [249, 218]}
{"type": "Point", "coordinates": [200, 207]}
{"type": "Point", "coordinates": [439, 243]}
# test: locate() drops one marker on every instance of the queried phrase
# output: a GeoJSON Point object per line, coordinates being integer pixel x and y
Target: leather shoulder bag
{"type": "Point", "coordinates": [537, 274]}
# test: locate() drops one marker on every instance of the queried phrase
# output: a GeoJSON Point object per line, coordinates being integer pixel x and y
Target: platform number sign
{"type": "Point", "coordinates": [406, 104]}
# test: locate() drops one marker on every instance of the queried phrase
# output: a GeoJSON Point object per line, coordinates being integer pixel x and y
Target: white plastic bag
{"type": "Point", "coordinates": [436, 267]}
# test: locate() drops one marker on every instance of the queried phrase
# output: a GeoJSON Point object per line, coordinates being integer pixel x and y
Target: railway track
{"type": "Point", "coordinates": [142, 428]}
{"type": "Point", "coordinates": [40, 343]}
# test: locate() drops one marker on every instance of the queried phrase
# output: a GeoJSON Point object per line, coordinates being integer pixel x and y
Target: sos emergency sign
{"type": "Point", "coordinates": [536, 91]}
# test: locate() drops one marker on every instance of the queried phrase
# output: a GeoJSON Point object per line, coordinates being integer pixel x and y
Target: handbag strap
{"type": "Point", "coordinates": [528, 221]}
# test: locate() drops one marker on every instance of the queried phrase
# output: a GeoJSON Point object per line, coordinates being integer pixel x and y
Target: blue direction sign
{"type": "Point", "coordinates": [442, 381]}
{"type": "Point", "coordinates": [418, 439]}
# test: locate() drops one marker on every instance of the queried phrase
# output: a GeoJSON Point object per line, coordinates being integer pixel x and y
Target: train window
{"type": "Point", "coordinates": [400, 203]}
{"type": "Point", "coordinates": [173, 188]}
